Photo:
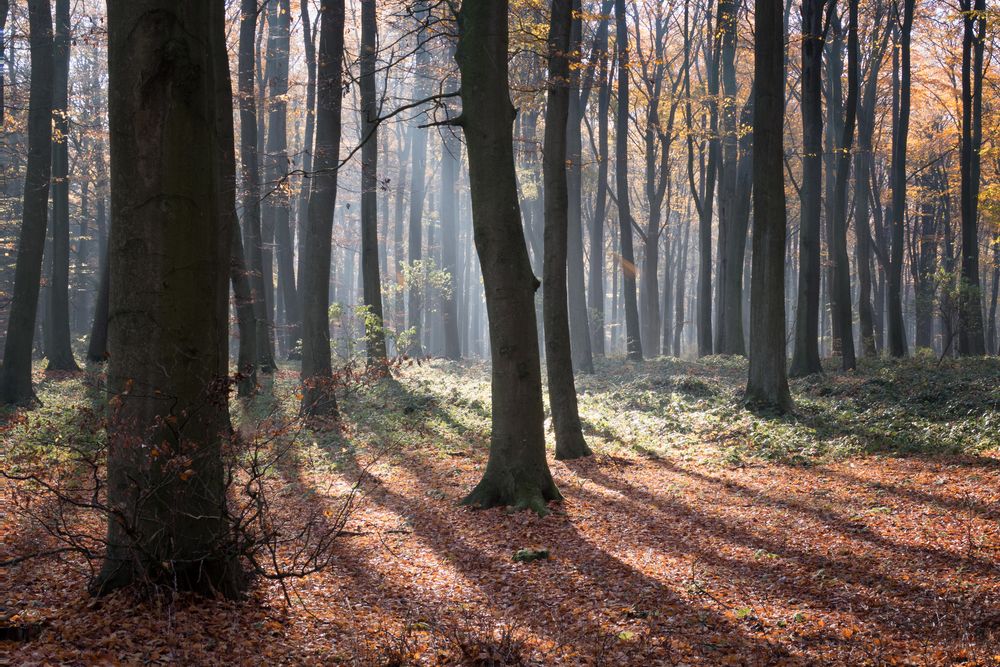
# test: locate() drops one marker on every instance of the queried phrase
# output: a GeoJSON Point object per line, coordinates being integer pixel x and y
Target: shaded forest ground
{"type": "Point", "coordinates": [864, 530]}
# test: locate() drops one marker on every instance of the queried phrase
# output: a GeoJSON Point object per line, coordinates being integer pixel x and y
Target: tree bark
{"type": "Point", "coordinates": [310, 135]}
{"type": "Point", "coordinates": [250, 177]}
{"type": "Point", "coordinates": [971, 340]}
{"type": "Point", "coordinates": [805, 354]}
{"type": "Point", "coordinates": [767, 386]}
{"type": "Point", "coordinates": [370, 273]}
{"type": "Point", "coordinates": [15, 377]}
{"type": "Point", "coordinates": [570, 443]}
{"type": "Point", "coordinates": [517, 473]}
{"type": "Point", "coordinates": [633, 340]}
{"type": "Point", "coordinates": [60, 348]}
{"type": "Point", "coordinates": [170, 254]}
{"type": "Point", "coordinates": [896, 329]}
{"type": "Point", "coordinates": [318, 398]}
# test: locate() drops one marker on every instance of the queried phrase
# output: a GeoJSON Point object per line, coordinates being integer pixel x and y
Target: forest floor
{"type": "Point", "coordinates": [865, 530]}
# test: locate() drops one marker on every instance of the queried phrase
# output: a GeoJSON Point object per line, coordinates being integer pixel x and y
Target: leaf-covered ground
{"type": "Point", "coordinates": [864, 530]}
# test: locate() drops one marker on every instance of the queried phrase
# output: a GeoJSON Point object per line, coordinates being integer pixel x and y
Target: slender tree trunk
{"type": "Point", "coordinates": [277, 204]}
{"type": "Point", "coordinates": [596, 293]}
{"type": "Point", "coordinates": [570, 443]}
{"type": "Point", "coordinates": [250, 177]}
{"type": "Point", "coordinates": [418, 155]}
{"type": "Point", "coordinates": [450, 166]}
{"type": "Point", "coordinates": [318, 397]}
{"type": "Point", "coordinates": [841, 287]}
{"type": "Point", "coordinates": [896, 328]}
{"type": "Point", "coordinates": [60, 349]}
{"type": "Point", "coordinates": [15, 377]}
{"type": "Point", "coordinates": [970, 333]}
{"type": "Point", "coordinates": [169, 300]}
{"type": "Point", "coordinates": [371, 276]}
{"type": "Point", "coordinates": [767, 386]}
{"type": "Point", "coordinates": [633, 341]}
{"type": "Point", "coordinates": [97, 346]}
{"type": "Point", "coordinates": [516, 473]}
{"type": "Point", "coordinates": [805, 355]}
{"type": "Point", "coordinates": [398, 253]}
{"type": "Point", "coordinates": [302, 213]}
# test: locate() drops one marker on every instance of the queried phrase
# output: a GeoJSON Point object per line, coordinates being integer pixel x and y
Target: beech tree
{"type": "Point", "coordinates": [516, 472]}
{"type": "Point", "coordinates": [15, 381]}
{"type": "Point", "coordinates": [170, 250]}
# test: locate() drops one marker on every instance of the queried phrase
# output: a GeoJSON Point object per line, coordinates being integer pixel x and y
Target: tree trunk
{"type": "Point", "coordinates": [767, 386]}
{"type": "Point", "coordinates": [421, 89]}
{"type": "Point", "coordinates": [450, 166]}
{"type": "Point", "coordinates": [277, 202]}
{"type": "Point", "coordinates": [170, 252]}
{"type": "Point", "coordinates": [15, 381]}
{"type": "Point", "coordinates": [596, 292]}
{"type": "Point", "coordinates": [318, 397]}
{"type": "Point", "coordinates": [60, 350]}
{"type": "Point", "coordinates": [370, 273]}
{"type": "Point", "coordinates": [570, 443]}
{"type": "Point", "coordinates": [970, 332]}
{"type": "Point", "coordinates": [310, 134]}
{"type": "Point", "coordinates": [97, 346]}
{"type": "Point", "coordinates": [516, 472]}
{"type": "Point", "coordinates": [633, 340]}
{"type": "Point", "coordinates": [250, 177]}
{"type": "Point", "coordinates": [805, 355]}
{"type": "Point", "coordinates": [896, 328]}
{"type": "Point", "coordinates": [841, 273]}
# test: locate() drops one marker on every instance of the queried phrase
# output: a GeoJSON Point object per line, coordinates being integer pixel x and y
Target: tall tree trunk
{"type": "Point", "coordinates": [596, 292]}
{"type": "Point", "coordinates": [579, 325]}
{"type": "Point", "coordinates": [729, 305]}
{"type": "Point", "coordinates": [570, 443]}
{"type": "Point", "coordinates": [517, 473]}
{"type": "Point", "coordinates": [370, 273]}
{"type": "Point", "coordinates": [250, 177]}
{"type": "Point", "coordinates": [277, 202]}
{"type": "Point", "coordinates": [15, 377]}
{"type": "Point", "coordinates": [633, 340]}
{"type": "Point", "coordinates": [450, 166]}
{"type": "Point", "coordinates": [805, 355]}
{"type": "Point", "coordinates": [310, 134]}
{"type": "Point", "coordinates": [169, 299]}
{"type": "Point", "coordinates": [767, 385]}
{"type": "Point", "coordinates": [97, 345]}
{"type": "Point", "coordinates": [841, 287]}
{"type": "Point", "coordinates": [60, 350]}
{"type": "Point", "coordinates": [421, 89]}
{"type": "Point", "coordinates": [318, 397]}
{"type": "Point", "coordinates": [970, 333]}
{"type": "Point", "coordinates": [896, 328]}
{"type": "Point", "coordinates": [4, 10]}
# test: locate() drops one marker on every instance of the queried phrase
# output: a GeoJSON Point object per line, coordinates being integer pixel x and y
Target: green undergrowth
{"type": "Point", "coordinates": [660, 408]}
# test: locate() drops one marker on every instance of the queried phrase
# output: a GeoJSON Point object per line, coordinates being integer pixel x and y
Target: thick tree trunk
{"type": "Point", "coordinates": [15, 381]}
{"type": "Point", "coordinates": [767, 386]}
{"type": "Point", "coordinates": [170, 253]}
{"type": "Point", "coordinates": [250, 177]}
{"type": "Point", "coordinates": [633, 339]}
{"type": "Point", "coordinates": [370, 274]}
{"type": "Point", "coordinates": [805, 354]}
{"type": "Point", "coordinates": [896, 329]}
{"type": "Point", "coordinates": [570, 443]}
{"type": "Point", "coordinates": [318, 397]}
{"type": "Point", "coordinates": [516, 472]}
{"type": "Point", "coordinates": [60, 348]}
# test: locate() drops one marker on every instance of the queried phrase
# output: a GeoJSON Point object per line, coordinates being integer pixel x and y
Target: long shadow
{"type": "Point", "coordinates": [436, 528]}
{"type": "Point", "coordinates": [892, 596]}
{"type": "Point", "coordinates": [854, 530]}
